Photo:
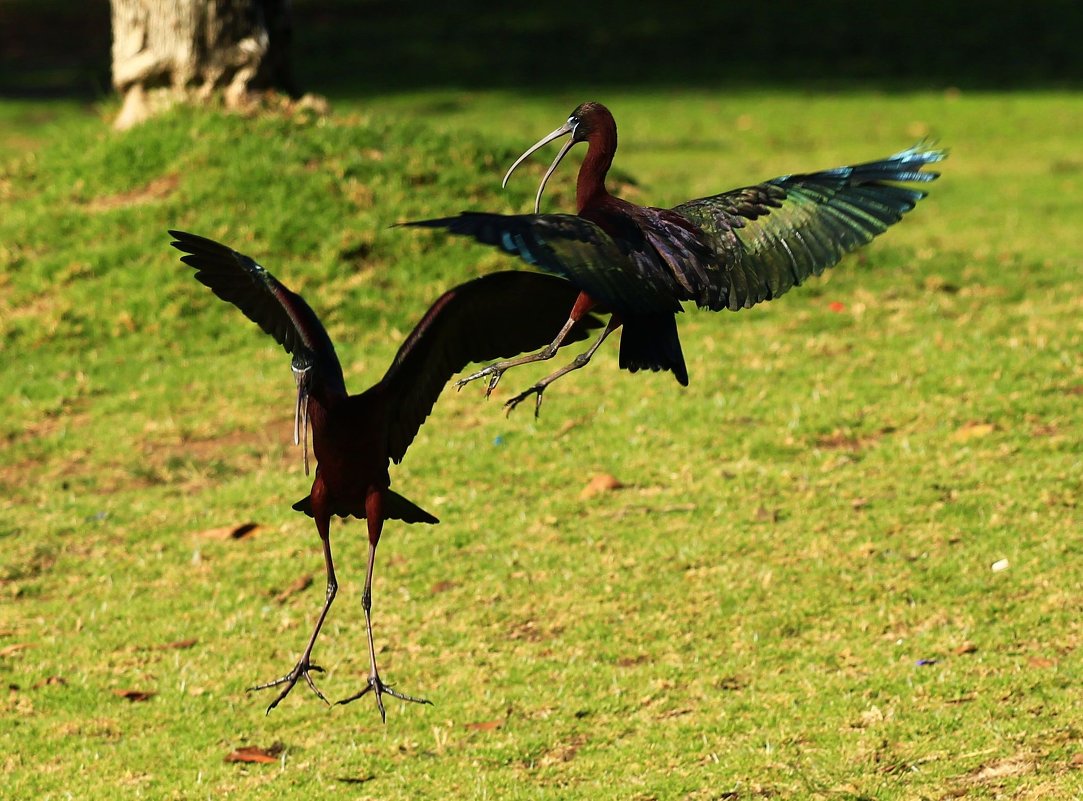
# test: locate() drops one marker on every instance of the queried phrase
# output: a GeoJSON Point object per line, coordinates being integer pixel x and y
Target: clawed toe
{"type": "Point", "coordinates": [497, 375]}
{"type": "Point", "coordinates": [462, 382]}
{"type": "Point", "coordinates": [494, 371]}
{"type": "Point", "coordinates": [302, 669]}
{"type": "Point", "coordinates": [376, 686]}
{"type": "Point", "coordinates": [535, 390]}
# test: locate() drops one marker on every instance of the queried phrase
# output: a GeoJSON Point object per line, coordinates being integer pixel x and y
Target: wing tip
{"type": "Point", "coordinates": [180, 238]}
{"type": "Point", "coordinates": [454, 225]}
{"type": "Point", "coordinates": [922, 152]}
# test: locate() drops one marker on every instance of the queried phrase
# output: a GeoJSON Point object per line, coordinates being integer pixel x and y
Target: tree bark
{"type": "Point", "coordinates": [165, 50]}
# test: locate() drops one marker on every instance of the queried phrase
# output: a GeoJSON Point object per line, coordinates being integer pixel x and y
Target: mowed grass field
{"type": "Point", "coordinates": [845, 562]}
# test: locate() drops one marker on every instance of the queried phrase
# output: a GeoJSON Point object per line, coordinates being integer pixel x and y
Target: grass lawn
{"type": "Point", "coordinates": [844, 562]}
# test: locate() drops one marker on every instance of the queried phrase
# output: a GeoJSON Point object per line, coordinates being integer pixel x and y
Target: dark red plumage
{"type": "Point", "coordinates": [728, 251]}
{"type": "Point", "coordinates": [355, 437]}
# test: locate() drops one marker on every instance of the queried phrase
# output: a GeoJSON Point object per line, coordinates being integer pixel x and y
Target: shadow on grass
{"type": "Point", "coordinates": [358, 48]}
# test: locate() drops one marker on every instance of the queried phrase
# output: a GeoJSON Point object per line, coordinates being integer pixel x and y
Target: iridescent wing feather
{"type": "Point", "coordinates": [770, 237]}
{"type": "Point", "coordinates": [574, 248]}
{"type": "Point", "coordinates": [731, 250]}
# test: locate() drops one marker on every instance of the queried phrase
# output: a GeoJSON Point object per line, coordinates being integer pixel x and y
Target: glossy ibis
{"type": "Point", "coordinates": [727, 251]}
{"type": "Point", "coordinates": [354, 437]}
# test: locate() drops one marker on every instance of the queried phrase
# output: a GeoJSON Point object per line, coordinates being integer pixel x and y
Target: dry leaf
{"type": "Point", "coordinates": [870, 717]}
{"type": "Point", "coordinates": [443, 586]}
{"type": "Point", "coordinates": [675, 713]}
{"type": "Point", "coordinates": [135, 695]}
{"type": "Point", "coordinates": [937, 283]}
{"type": "Point", "coordinates": [487, 725]}
{"type": "Point", "coordinates": [15, 647]}
{"type": "Point", "coordinates": [970, 431]}
{"type": "Point", "coordinates": [253, 753]}
{"type": "Point", "coordinates": [730, 683]}
{"type": "Point", "coordinates": [766, 515]}
{"type": "Point", "coordinates": [1077, 760]}
{"type": "Point", "coordinates": [1041, 662]}
{"type": "Point", "coordinates": [238, 532]}
{"type": "Point", "coordinates": [599, 484]}
{"type": "Point", "coordinates": [179, 644]}
{"type": "Point", "coordinates": [303, 583]}
{"type": "Point", "coordinates": [965, 698]}
{"type": "Point", "coordinates": [966, 648]}
{"type": "Point", "coordinates": [51, 680]}
{"type": "Point", "coordinates": [838, 440]}
{"type": "Point", "coordinates": [678, 507]}
{"type": "Point", "coordinates": [565, 427]}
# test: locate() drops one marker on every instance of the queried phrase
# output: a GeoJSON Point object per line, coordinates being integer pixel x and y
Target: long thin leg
{"type": "Point", "coordinates": [578, 362]}
{"type": "Point", "coordinates": [583, 304]}
{"type": "Point", "coordinates": [375, 517]}
{"type": "Point", "coordinates": [304, 666]}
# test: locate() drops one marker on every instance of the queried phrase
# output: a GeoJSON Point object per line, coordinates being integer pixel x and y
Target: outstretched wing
{"type": "Point", "coordinates": [283, 314]}
{"type": "Point", "coordinates": [770, 237]}
{"type": "Point", "coordinates": [495, 316]}
{"type": "Point", "coordinates": [610, 271]}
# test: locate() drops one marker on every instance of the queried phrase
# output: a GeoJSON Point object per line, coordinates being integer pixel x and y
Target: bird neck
{"type": "Point", "coordinates": [590, 186]}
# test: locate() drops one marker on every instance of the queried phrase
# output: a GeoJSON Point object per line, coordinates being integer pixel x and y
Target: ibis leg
{"type": "Point", "coordinates": [375, 685]}
{"type": "Point", "coordinates": [495, 371]}
{"type": "Point", "coordinates": [304, 667]}
{"type": "Point", "coordinates": [578, 362]}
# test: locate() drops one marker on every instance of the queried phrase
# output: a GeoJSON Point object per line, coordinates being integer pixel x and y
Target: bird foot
{"type": "Point", "coordinates": [303, 669]}
{"type": "Point", "coordinates": [536, 390]}
{"type": "Point", "coordinates": [494, 370]}
{"type": "Point", "coordinates": [379, 689]}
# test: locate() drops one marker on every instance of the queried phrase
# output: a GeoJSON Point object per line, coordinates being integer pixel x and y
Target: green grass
{"type": "Point", "coordinates": [791, 597]}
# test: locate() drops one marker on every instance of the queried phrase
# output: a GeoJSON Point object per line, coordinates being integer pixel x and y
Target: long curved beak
{"type": "Point", "coordinates": [300, 413]}
{"type": "Point", "coordinates": [563, 130]}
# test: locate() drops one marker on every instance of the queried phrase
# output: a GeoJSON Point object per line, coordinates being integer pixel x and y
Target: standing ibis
{"type": "Point", "coordinates": [354, 437]}
{"type": "Point", "coordinates": [727, 251]}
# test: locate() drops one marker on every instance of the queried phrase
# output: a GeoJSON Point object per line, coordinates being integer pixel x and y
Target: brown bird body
{"type": "Point", "coordinates": [727, 251]}
{"type": "Point", "coordinates": [356, 437]}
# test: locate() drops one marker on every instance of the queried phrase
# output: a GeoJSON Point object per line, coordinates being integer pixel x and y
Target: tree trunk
{"type": "Point", "coordinates": [165, 50]}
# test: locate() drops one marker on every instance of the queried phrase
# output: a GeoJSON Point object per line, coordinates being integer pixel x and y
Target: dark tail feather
{"type": "Point", "coordinates": [396, 507]}
{"type": "Point", "coordinates": [651, 343]}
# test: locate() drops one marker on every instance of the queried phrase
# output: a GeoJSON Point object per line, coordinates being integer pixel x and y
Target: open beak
{"type": "Point", "coordinates": [300, 413]}
{"type": "Point", "coordinates": [563, 130]}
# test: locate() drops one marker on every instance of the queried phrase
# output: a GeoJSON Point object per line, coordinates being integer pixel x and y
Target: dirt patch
{"type": "Point", "coordinates": [564, 751]}
{"type": "Point", "coordinates": [158, 189]}
{"type": "Point", "coordinates": [992, 772]}
{"type": "Point", "coordinates": [841, 440]}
